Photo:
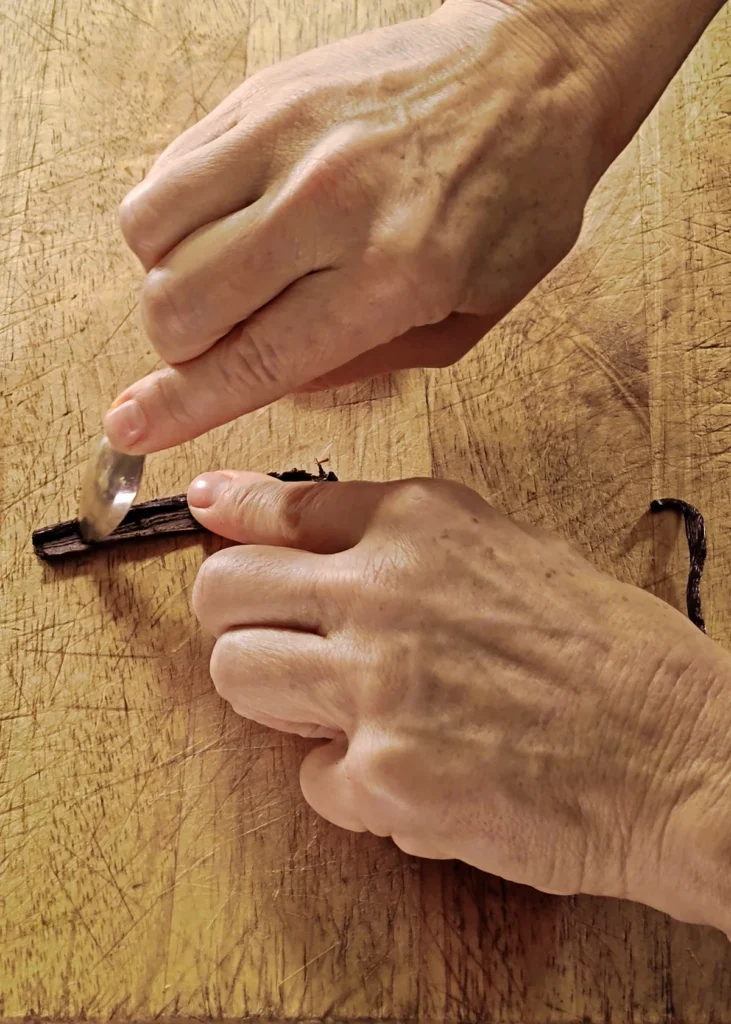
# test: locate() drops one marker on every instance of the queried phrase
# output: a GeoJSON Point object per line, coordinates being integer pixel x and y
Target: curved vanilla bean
{"type": "Point", "coordinates": [695, 532]}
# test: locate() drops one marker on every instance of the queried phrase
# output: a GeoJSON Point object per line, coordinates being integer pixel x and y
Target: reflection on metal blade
{"type": "Point", "coordinates": [109, 487]}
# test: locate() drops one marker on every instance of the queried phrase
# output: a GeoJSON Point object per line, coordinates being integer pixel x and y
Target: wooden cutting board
{"type": "Point", "coordinates": [156, 858]}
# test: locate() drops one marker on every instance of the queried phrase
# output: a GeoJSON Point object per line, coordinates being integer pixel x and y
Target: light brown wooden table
{"type": "Point", "coordinates": [156, 858]}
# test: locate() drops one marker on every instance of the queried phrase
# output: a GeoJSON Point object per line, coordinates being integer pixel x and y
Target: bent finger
{"type": "Point", "coordinates": [318, 323]}
{"type": "Point", "coordinates": [225, 271]}
{"type": "Point", "coordinates": [182, 195]}
{"type": "Point", "coordinates": [280, 674]}
{"type": "Point", "coordinates": [266, 586]}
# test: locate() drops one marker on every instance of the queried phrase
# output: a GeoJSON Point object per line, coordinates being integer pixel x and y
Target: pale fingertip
{"type": "Point", "coordinates": [217, 501]}
{"type": "Point", "coordinates": [207, 489]}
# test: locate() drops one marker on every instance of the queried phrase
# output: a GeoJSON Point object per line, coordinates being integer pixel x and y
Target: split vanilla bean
{"type": "Point", "coordinates": [163, 516]}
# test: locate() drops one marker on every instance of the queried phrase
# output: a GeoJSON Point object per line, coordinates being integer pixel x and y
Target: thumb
{"type": "Point", "coordinates": [251, 508]}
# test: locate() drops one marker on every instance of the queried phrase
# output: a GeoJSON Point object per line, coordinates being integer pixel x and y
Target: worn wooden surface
{"type": "Point", "coordinates": [155, 856]}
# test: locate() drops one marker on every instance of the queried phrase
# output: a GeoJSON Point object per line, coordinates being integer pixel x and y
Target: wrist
{"type": "Point", "coordinates": [624, 53]}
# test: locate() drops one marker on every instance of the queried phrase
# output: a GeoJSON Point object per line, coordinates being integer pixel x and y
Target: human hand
{"type": "Point", "coordinates": [413, 184]}
{"type": "Point", "coordinates": [485, 693]}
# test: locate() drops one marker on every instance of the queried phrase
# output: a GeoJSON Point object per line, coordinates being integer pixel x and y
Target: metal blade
{"type": "Point", "coordinates": [109, 487]}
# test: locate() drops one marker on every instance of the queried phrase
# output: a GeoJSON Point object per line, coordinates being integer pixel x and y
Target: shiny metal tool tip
{"type": "Point", "coordinates": [108, 489]}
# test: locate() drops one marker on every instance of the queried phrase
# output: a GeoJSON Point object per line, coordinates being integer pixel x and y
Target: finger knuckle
{"type": "Point", "coordinates": [224, 668]}
{"type": "Point", "coordinates": [414, 274]}
{"type": "Point", "coordinates": [247, 504]}
{"type": "Point", "coordinates": [335, 167]}
{"type": "Point", "coordinates": [412, 846]}
{"type": "Point", "coordinates": [271, 508]}
{"type": "Point", "coordinates": [296, 504]}
{"type": "Point", "coordinates": [167, 312]}
{"type": "Point", "coordinates": [164, 403]}
{"type": "Point", "coordinates": [374, 769]}
{"type": "Point", "coordinates": [258, 505]}
{"type": "Point", "coordinates": [252, 361]}
{"type": "Point", "coordinates": [128, 221]}
{"type": "Point", "coordinates": [137, 222]}
{"type": "Point", "coordinates": [419, 496]}
{"type": "Point", "coordinates": [205, 588]}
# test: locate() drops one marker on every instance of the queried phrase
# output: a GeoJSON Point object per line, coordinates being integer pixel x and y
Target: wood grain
{"type": "Point", "coordinates": [155, 856]}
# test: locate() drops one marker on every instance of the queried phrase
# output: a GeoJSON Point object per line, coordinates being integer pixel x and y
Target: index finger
{"type": "Point", "coordinates": [321, 321]}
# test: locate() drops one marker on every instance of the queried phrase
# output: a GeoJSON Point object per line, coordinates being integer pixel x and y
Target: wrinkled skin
{"type": "Point", "coordinates": [373, 205]}
{"type": "Point", "coordinates": [379, 204]}
{"type": "Point", "coordinates": [485, 693]}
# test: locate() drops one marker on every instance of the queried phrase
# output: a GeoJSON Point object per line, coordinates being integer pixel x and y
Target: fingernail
{"type": "Point", "coordinates": [125, 425]}
{"type": "Point", "coordinates": [207, 489]}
